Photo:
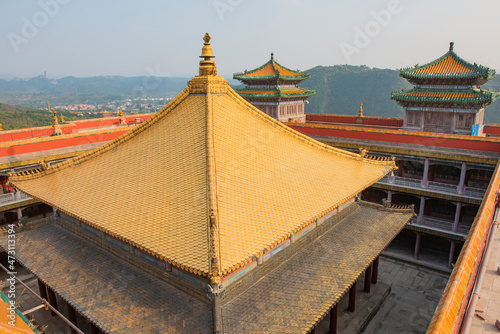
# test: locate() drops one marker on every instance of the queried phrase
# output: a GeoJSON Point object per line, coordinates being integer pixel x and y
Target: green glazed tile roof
{"type": "Point", "coordinates": [451, 96]}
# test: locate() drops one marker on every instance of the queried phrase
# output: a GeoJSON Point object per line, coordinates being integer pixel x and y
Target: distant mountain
{"type": "Point", "coordinates": [340, 89]}
{"type": "Point", "coordinates": [33, 92]}
{"type": "Point", "coordinates": [104, 85]}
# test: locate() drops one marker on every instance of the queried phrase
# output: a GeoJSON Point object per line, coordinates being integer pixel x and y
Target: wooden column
{"type": "Point", "coordinates": [421, 209]}
{"type": "Point", "coordinates": [425, 176]}
{"type": "Point", "coordinates": [375, 271]}
{"type": "Point", "coordinates": [333, 319]}
{"type": "Point", "coordinates": [43, 290]}
{"type": "Point", "coordinates": [417, 245]}
{"type": "Point", "coordinates": [52, 300]}
{"type": "Point", "coordinates": [456, 221]}
{"type": "Point", "coordinates": [71, 316]}
{"type": "Point", "coordinates": [452, 253]}
{"type": "Point", "coordinates": [463, 172]}
{"type": "Point", "coordinates": [93, 328]}
{"type": "Point", "coordinates": [368, 279]}
{"type": "Point", "coordinates": [352, 298]}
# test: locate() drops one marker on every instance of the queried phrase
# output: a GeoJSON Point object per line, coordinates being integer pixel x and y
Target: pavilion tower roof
{"type": "Point", "coordinates": [449, 69]}
{"type": "Point", "coordinates": [273, 72]}
{"type": "Point", "coordinates": [207, 183]}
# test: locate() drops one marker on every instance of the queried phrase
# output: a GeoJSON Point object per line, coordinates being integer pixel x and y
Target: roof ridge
{"type": "Point", "coordinates": [213, 209]}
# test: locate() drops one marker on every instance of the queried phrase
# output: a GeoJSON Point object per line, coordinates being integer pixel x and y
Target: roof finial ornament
{"type": "Point", "coordinates": [451, 46]}
{"type": "Point", "coordinates": [207, 66]}
{"type": "Point", "coordinates": [360, 114]}
{"type": "Point", "coordinates": [55, 117]}
{"type": "Point", "coordinates": [272, 55]}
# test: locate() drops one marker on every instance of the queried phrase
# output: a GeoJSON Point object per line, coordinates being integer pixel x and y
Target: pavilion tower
{"type": "Point", "coordinates": [446, 97]}
{"type": "Point", "coordinates": [273, 89]}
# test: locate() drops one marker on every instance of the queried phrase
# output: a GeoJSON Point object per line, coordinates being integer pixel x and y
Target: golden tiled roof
{"type": "Point", "coordinates": [447, 65]}
{"type": "Point", "coordinates": [206, 183]}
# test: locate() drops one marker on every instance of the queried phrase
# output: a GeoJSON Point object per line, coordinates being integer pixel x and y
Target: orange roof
{"type": "Point", "coordinates": [271, 91]}
{"type": "Point", "coordinates": [443, 94]}
{"type": "Point", "coordinates": [258, 92]}
{"type": "Point", "coordinates": [284, 71]}
{"type": "Point", "coordinates": [447, 65]}
{"type": "Point", "coordinates": [266, 71]}
{"type": "Point", "coordinates": [272, 69]}
{"type": "Point", "coordinates": [269, 70]}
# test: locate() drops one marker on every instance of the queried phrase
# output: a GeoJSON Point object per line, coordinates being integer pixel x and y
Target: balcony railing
{"type": "Point", "coordinates": [433, 185]}
{"type": "Point", "coordinates": [6, 198]}
{"type": "Point", "coordinates": [11, 197]}
{"type": "Point", "coordinates": [406, 181]}
{"type": "Point", "coordinates": [474, 192]}
{"type": "Point", "coordinates": [452, 188]}
{"type": "Point", "coordinates": [441, 224]}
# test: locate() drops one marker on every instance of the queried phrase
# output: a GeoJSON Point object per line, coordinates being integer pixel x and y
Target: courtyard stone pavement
{"type": "Point", "coordinates": [416, 292]}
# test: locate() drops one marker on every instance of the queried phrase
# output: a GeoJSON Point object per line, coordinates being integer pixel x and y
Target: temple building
{"type": "Point", "coordinates": [273, 89]}
{"type": "Point", "coordinates": [270, 257]}
{"type": "Point", "coordinates": [210, 217]}
{"type": "Point", "coordinates": [446, 97]}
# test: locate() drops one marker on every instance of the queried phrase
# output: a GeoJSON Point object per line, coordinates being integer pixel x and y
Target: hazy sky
{"type": "Point", "coordinates": [163, 37]}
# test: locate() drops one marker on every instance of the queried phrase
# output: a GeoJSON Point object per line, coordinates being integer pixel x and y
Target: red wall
{"type": "Point", "coordinates": [347, 119]}
{"type": "Point", "coordinates": [59, 143]}
{"type": "Point", "coordinates": [391, 136]}
{"type": "Point", "coordinates": [66, 128]}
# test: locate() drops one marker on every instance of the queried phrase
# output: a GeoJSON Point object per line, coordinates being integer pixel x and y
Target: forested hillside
{"type": "Point", "coordinates": [16, 117]}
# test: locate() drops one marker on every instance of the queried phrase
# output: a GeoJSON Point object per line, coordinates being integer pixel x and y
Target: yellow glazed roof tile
{"type": "Point", "coordinates": [206, 183]}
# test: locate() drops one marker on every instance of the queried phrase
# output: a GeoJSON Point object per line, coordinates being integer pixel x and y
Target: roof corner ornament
{"type": "Point", "coordinates": [451, 46]}
{"type": "Point", "coordinates": [363, 152]}
{"type": "Point", "coordinates": [207, 66]}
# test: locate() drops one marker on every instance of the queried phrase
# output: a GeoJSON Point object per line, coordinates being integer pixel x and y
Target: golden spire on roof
{"type": "Point", "coordinates": [360, 114]}
{"type": "Point", "coordinates": [207, 66]}
{"type": "Point", "coordinates": [62, 118]}
{"type": "Point", "coordinates": [55, 117]}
